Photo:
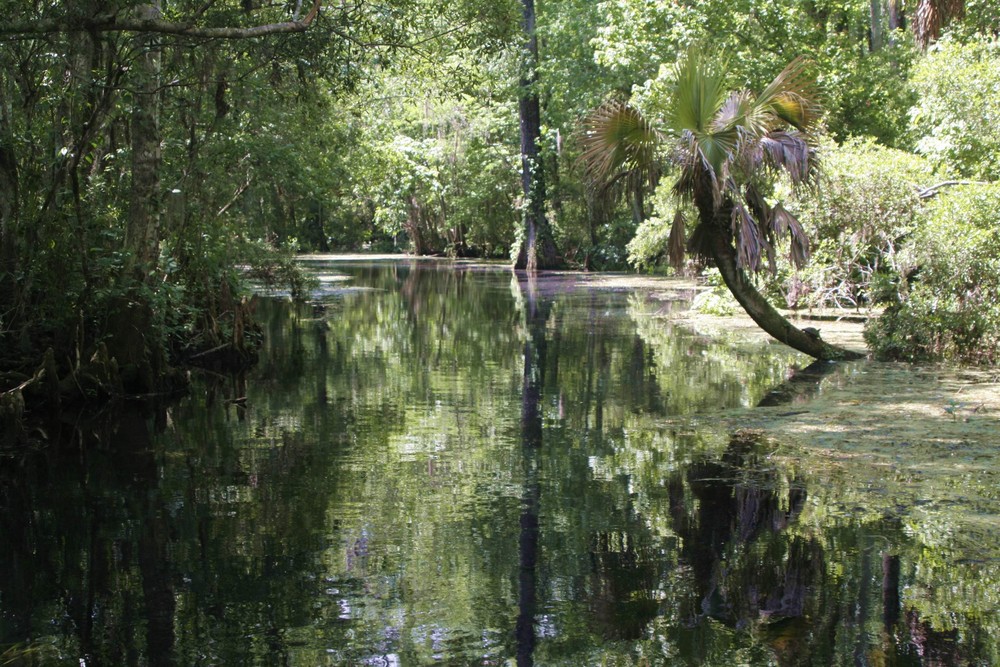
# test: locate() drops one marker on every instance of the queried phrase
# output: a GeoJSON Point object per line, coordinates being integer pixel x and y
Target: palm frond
{"type": "Point", "coordinates": [749, 243]}
{"type": "Point", "coordinates": [798, 111]}
{"type": "Point", "coordinates": [792, 97]}
{"type": "Point", "coordinates": [717, 150]}
{"type": "Point", "coordinates": [699, 92]}
{"type": "Point", "coordinates": [759, 207]}
{"type": "Point", "coordinates": [799, 241]}
{"type": "Point", "coordinates": [617, 138]}
{"type": "Point", "coordinates": [742, 113]}
{"type": "Point", "coordinates": [762, 214]}
{"type": "Point", "coordinates": [675, 242]}
{"type": "Point", "coordinates": [791, 153]}
{"type": "Point", "coordinates": [684, 154]}
{"type": "Point", "coordinates": [700, 242]}
{"type": "Point", "coordinates": [780, 220]}
{"type": "Point", "coordinates": [772, 263]}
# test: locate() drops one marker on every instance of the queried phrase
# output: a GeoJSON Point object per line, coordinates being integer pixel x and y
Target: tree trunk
{"type": "Point", "coordinates": [9, 201]}
{"type": "Point", "coordinates": [890, 591]}
{"type": "Point", "coordinates": [875, 7]}
{"type": "Point", "coordinates": [762, 312]}
{"type": "Point", "coordinates": [538, 250]}
{"type": "Point", "coordinates": [138, 464]}
{"type": "Point", "coordinates": [141, 359]}
{"type": "Point", "coordinates": [638, 204]}
{"type": "Point", "coordinates": [142, 233]}
{"type": "Point", "coordinates": [895, 15]}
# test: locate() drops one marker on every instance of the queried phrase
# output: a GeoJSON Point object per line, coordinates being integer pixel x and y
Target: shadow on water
{"type": "Point", "coordinates": [437, 466]}
{"type": "Point", "coordinates": [103, 569]}
{"type": "Point", "coordinates": [801, 386]}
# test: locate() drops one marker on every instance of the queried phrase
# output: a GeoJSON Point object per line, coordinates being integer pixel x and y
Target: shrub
{"type": "Point", "coordinates": [957, 118]}
{"type": "Point", "coordinates": [866, 206]}
{"type": "Point", "coordinates": [951, 307]}
{"type": "Point", "coordinates": [718, 300]}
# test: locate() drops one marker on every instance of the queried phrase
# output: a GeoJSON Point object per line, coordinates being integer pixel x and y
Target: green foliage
{"type": "Point", "coordinates": [956, 120]}
{"type": "Point", "coordinates": [717, 300]}
{"type": "Point", "coordinates": [636, 37]}
{"type": "Point", "coordinates": [868, 95]}
{"type": "Point", "coordinates": [864, 90]}
{"type": "Point", "coordinates": [234, 121]}
{"type": "Point", "coordinates": [439, 167]}
{"type": "Point", "coordinates": [951, 308]}
{"type": "Point", "coordinates": [865, 208]}
{"type": "Point", "coordinates": [336, 139]}
{"type": "Point", "coordinates": [647, 249]}
{"type": "Point", "coordinates": [981, 17]}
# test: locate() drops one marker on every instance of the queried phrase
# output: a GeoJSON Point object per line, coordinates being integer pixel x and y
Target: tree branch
{"type": "Point", "coordinates": [112, 23]}
{"type": "Point", "coordinates": [236, 195]}
{"type": "Point", "coordinates": [927, 193]}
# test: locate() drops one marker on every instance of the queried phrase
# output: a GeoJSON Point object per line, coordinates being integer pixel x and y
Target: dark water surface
{"type": "Point", "coordinates": [438, 464]}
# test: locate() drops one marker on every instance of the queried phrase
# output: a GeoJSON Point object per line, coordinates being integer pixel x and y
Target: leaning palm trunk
{"type": "Point", "coordinates": [763, 313]}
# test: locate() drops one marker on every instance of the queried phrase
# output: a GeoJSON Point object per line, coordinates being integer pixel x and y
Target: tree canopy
{"type": "Point", "coordinates": [155, 153]}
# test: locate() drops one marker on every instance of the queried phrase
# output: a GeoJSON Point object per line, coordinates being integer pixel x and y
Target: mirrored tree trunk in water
{"type": "Point", "coordinates": [155, 564]}
{"type": "Point", "coordinates": [536, 314]}
{"type": "Point", "coordinates": [618, 571]}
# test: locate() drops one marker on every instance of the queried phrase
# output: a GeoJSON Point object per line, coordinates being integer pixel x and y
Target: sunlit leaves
{"type": "Point", "coordinates": [698, 93]}
{"type": "Point", "coordinates": [957, 118]}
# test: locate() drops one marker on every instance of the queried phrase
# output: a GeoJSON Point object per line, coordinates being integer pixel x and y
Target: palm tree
{"type": "Point", "coordinates": [725, 147]}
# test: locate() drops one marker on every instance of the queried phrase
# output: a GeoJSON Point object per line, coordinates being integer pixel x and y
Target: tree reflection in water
{"type": "Point", "coordinates": [431, 469]}
{"type": "Point", "coordinates": [536, 314]}
{"type": "Point", "coordinates": [729, 514]}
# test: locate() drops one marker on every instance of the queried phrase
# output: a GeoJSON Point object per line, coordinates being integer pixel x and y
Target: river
{"type": "Point", "coordinates": [437, 462]}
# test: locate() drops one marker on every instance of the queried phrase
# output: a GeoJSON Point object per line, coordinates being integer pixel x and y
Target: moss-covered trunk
{"type": "Point", "coordinates": [538, 249]}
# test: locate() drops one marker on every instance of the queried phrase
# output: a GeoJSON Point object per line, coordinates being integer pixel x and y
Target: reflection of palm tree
{"type": "Point", "coordinates": [623, 577]}
{"type": "Point", "coordinates": [734, 511]}
{"type": "Point", "coordinates": [725, 145]}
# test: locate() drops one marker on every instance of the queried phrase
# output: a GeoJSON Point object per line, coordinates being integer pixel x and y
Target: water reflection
{"type": "Point", "coordinates": [445, 464]}
{"type": "Point", "coordinates": [536, 315]}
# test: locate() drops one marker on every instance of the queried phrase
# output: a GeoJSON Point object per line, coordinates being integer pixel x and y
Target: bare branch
{"type": "Point", "coordinates": [112, 23]}
{"type": "Point", "coordinates": [236, 195]}
{"type": "Point", "coordinates": [927, 193]}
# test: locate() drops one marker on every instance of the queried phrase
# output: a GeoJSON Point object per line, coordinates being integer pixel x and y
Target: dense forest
{"type": "Point", "coordinates": [155, 156]}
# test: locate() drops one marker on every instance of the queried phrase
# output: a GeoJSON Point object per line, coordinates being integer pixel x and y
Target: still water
{"type": "Point", "coordinates": [437, 463]}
